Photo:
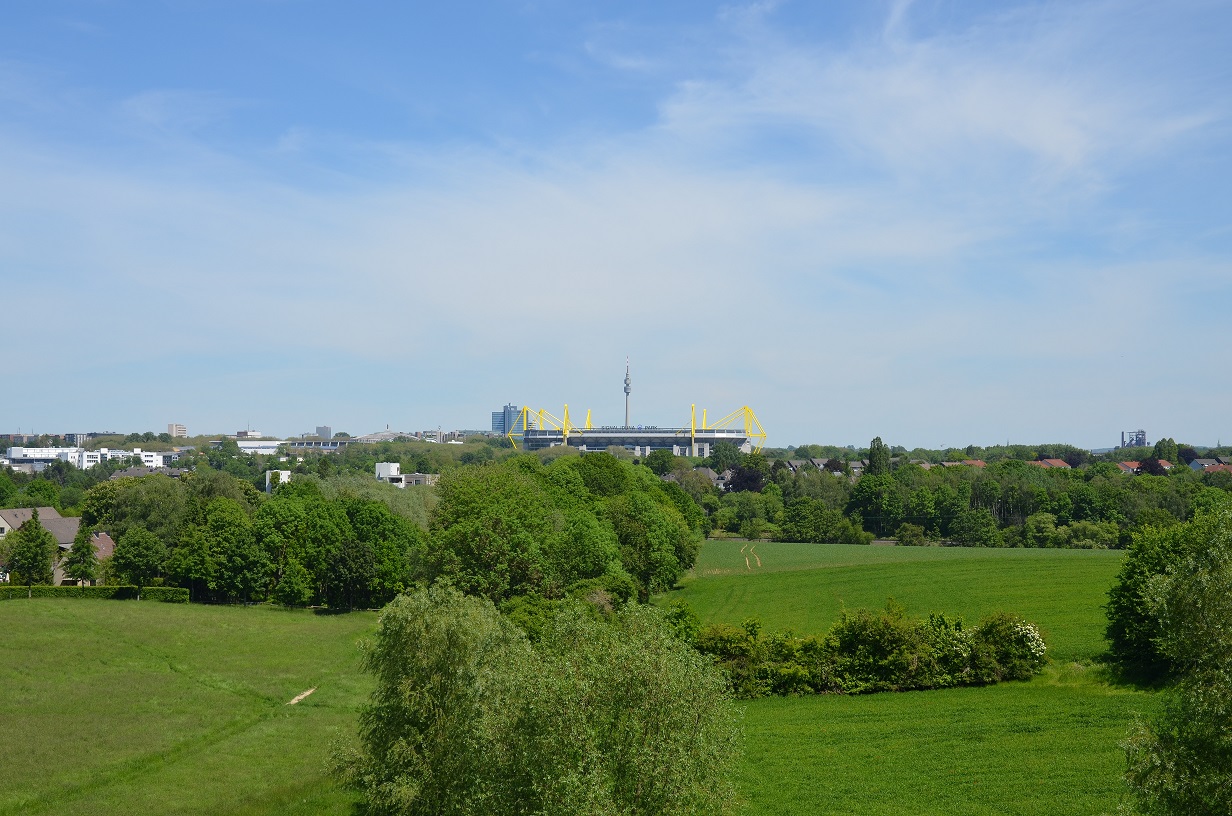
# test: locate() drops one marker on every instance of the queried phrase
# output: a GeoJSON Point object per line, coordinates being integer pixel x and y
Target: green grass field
{"type": "Point", "coordinates": [1048, 746]}
{"type": "Point", "coordinates": [804, 587]}
{"type": "Point", "coordinates": [126, 707]}
{"type": "Point", "coordinates": [116, 707]}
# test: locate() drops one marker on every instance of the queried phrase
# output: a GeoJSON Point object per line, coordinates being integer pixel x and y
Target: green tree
{"type": "Point", "coordinates": [81, 563]}
{"type": "Point", "coordinates": [518, 528]}
{"type": "Point", "coordinates": [30, 553]}
{"type": "Point", "coordinates": [1166, 449]}
{"type": "Point", "coordinates": [138, 556]}
{"type": "Point", "coordinates": [653, 541]}
{"type": "Point", "coordinates": [295, 587]}
{"type": "Point", "coordinates": [878, 458]}
{"type": "Point", "coordinates": [241, 568]}
{"type": "Point", "coordinates": [469, 718]}
{"type": "Point", "coordinates": [1134, 627]}
{"type": "Point", "coordinates": [910, 535]}
{"type": "Point", "coordinates": [1040, 530]}
{"type": "Point", "coordinates": [1180, 764]}
{"type": "Point", "coordinates": [660, 461]}
{"type": "Point", "coordinates": [723, 455]}
{"type": "Point", "coordinates": [40, 493]}
{"type": "Point", "coordinates": [976, 528]}
{"type": "Point", "coordinates": [878, 501]}
{"type": "Point", "coordinates": [190, 564]}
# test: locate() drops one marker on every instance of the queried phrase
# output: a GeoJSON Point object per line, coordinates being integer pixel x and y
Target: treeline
{"type": "Point", "coordinates": [1010, 503]}
{"type": "Point", "coordinates": [591, 525]}
{"type": "Point", "coordinates": [1169, 449]}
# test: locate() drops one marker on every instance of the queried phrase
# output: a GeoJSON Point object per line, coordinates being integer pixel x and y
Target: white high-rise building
{"type": "Point", "coordinates": [177, 430]}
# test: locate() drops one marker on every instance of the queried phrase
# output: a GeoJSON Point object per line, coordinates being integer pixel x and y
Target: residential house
{"type": "Point", "coordinates": [719, 480]}
{"type": "Point", "coordinates": [62, 529]}
{"type": "Point", "coordinates": [1059, 464]}
{"type": "Point", "coordinates": [1203, 464]}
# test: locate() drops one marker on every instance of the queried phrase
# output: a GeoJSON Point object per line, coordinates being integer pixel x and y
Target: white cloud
{"type": "Point", "coordinates": [907, 270]}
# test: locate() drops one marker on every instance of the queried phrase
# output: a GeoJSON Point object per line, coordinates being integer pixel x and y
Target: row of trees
{"type": "Point", "coordinates": [500, 530]}
{"type": "Point", "coordinates": [1009, 503]}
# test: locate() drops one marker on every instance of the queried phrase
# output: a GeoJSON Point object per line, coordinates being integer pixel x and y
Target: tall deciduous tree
{"type": "Point", "coordinates": [190, 563]}
{"type": "Point", "coordinates": [1180, 764]}
{"type": "Point", "coordinates": [469, 718]}
{"type": "Point", "coordinates": [81, 564]}
{"type": "Point", "coordinates": [30, 554]}
{"type": "Point", "coordinates": [241, 568]}
{"type": "Point", "coordinates": [723, 455]}
{"type": "Point", "coordinates": [878, 458]}
{"type": "Point", "coordinates": [1166, 449]}
{"type": "Point", "coordinates": [139, 556]}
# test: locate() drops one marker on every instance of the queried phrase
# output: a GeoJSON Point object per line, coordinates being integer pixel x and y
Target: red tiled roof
{"type": "Point", "coordinates": [1217, 469]}
{"type": "Point", "coordinates": [1055, 463]}
{"type": "Point", "coordinates": [103, 545]}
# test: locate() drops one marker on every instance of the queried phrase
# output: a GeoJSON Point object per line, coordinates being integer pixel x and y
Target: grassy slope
{"type": "Point", "coordinates": [1047, 746]}
{"type": "Point", "coordinates": [118, 707]}
{"type": "Point", "coordinates": [804, 586]}
{"type": "Point", "coordinates": [126, 707]}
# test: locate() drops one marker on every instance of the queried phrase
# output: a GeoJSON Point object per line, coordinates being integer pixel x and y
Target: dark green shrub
{"type": "Point", "coordinates": [739, 652]}
{"type": "Point", "coordinates": [110, 592]}
{"type": "Point", "coordinates": [1015, 645]}
{"type": "Point", "coordinates": [879, 650]}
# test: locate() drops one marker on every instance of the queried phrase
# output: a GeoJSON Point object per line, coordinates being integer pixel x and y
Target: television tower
{"type": "Point", "coordinates": [628, 388]}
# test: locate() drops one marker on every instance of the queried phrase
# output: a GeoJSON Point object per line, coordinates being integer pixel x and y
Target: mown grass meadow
{"type": "Point", "coordinates": [116, 707]}
{"type": "Point", "coordinates": [1046, 746]}
{"type": "Point", "coordinates": [134, 707]}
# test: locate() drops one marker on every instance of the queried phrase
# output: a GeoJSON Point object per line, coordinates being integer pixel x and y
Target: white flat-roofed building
{"type": "Point", "coordinates": [391, 473]}
{"type": "Point", "coordinates": [151, 459]}
{"type": "Point", "coordinates": [264, 447]}
{"type": "Point", "coordinates": [33, 455]}
{"type": "Point", "coordinates": [175, 429]}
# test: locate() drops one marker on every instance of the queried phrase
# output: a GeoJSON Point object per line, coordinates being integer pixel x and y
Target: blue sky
{"type": "Point", "coordinates": [942, 223]}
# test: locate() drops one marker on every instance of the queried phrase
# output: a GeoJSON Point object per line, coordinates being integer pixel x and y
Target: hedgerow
{"type": "Point", "coordinates": [870, 651]}
{"type": "Point", "coordinates": [118, 593]}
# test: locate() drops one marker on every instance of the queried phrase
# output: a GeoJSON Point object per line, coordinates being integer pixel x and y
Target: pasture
{"type": "Point", "coordinates": [1042, 747]}
{"type": "Point", "coordinates": [804, 587]}
{"type": "Point", "coordinates": [116, 707]}
{"type": "Point", "coordinates": [127, 707]}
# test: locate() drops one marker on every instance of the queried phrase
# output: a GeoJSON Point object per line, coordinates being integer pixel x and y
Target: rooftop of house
{"type": "Point", "coordinates": [63, 529]}
{"type": "Point", "coordinates": [14, 517]}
